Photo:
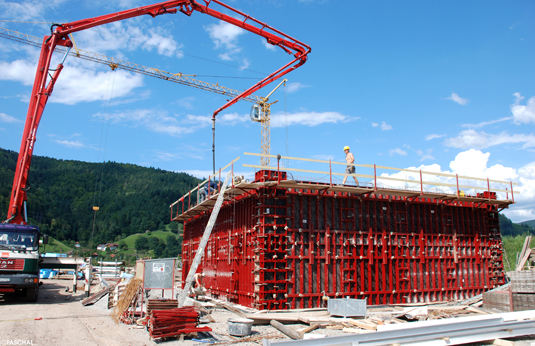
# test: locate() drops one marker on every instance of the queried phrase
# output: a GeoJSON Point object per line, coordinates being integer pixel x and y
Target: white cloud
{"type": "Point", "coordinates": [485, 123]}
{"type": "Point", "coordinates": [70, 144]}
{"type": "Point", "coordinates": [233, 118]}
{"type": "Point", "coordinates": [28, 10]}
{"type": "Point", "coordinates": [523, 114]}
{"type": "Point", "coordinates": [186, 102]}
{"type": "Point", "coordinates": [307, 118]}
{"type": "Point", "coordinates": [8, 118]}
{"type": "Point", "coordinates": [18, 71]}
{"type": "Point", "coordinates": [123, 36]}
{"type": "Point", "coordinates": [86, 85]}
{"type": "Point", "coordinates": [222, 119]}
{"type": "Point", "coordinates": [384, 126]}
{"type": "Point", "coordinates": [245, 64]}
{"type": "Point", "coordinates": [160, 122]}
{"type": "Point", "coordinates": [481, 140]}
{"type": "Point", "coordinates": [154, 120]}
{"type": "Point", "coordinates": [183, 152]}
{"type": "Point", "coordinates": [474, 163]}
{"type": "Point", "coordinates": [425, 155]}
{"type": "Point", "coordinates": [433, 136]}
{"type": "Point", "coordinates": [277, 119]}
{"type": "Point", "coordinates": [225, 35]}
{"type": "Point", "coordinates": [457, 99]}
{"type": "Point", "coordinates": [293, 87]}
{"type": "Point", "coordinates": [77, 83]}
{"type": "Point", "coordinates": [268, 45]}
{"type": "Point", "coordinates": [397, 151]}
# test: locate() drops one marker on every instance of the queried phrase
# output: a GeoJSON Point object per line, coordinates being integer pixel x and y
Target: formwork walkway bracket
{"type": "Point", "coordinates": [204, 241]}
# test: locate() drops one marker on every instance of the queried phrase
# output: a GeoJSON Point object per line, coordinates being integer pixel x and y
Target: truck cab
{"type": "Point", "coordinates": [19, 259]}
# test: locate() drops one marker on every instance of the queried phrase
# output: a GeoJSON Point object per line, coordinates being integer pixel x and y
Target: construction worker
{"type": "Point", "coordinates": [207, 190]}
{"type": "Point", "coordinates": [350, 169]}
{"type": "Point", "coordinates": [199, 289]}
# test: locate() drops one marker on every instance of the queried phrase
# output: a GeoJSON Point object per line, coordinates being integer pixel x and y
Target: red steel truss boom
{"type": "Point", "coordinates": [59, 36]}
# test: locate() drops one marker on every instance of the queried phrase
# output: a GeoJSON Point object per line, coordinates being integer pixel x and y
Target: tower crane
{"type": "Point", "coordinates": [260, 111]}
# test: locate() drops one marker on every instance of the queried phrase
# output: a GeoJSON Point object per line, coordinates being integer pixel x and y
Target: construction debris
{"type": "Point", "coordinates": [307, 316]}
{"type": "Point", "coordinates": [166, 323]}
{"type": "Point", "coordinates": [288, 331]}
{"type": "Point", "coordinates": [524, 254]}
{"type": "Point", "coordinates": [95, 297]}
{"type": "Point", "coordinates": [161, 304]}
{"type": "Point", "coordinates": [127, 298]}
{"type": "Point", "coordinates": [453, 331]}
{"type": "Point", "coordinates": [518, 296]}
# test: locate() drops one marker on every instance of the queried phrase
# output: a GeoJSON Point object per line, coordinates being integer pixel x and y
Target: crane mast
{"type": "Point", "coordinates": [44, 81]}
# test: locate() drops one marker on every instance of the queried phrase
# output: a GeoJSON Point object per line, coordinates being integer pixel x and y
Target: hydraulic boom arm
{"type": "Point", "coordinates": [44, 81]}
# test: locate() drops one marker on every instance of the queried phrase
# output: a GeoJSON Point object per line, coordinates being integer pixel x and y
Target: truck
{"type": "Point", "coordinates": [19, 259]}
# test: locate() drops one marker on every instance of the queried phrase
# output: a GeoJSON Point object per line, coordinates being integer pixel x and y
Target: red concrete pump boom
{"type": "Point", "coordinates": [59, 36]}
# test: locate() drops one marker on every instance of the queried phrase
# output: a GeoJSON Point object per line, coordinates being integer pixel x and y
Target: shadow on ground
{"type": "Point", "coordinates": [50, 292]}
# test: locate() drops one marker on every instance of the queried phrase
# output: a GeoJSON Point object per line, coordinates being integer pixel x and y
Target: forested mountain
{"type": "Point", "coordinates": [507, 227]}
{"type": "Point", "coordinates": [530, 223]}
{"type": "Point", "coordinates": [132, 199]}
{"type": "Point", "coordinates": [62, 194]}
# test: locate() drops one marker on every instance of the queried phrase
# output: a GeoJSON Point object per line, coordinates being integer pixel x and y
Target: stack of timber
{"type": "Point", "coordinates": [523, 290]}
{"type": "Point", "coordinates": [518, 296]}
{"type": "Point", "coordinates": [166, 323]}
{"type": "Point", "coordinates": [161, 304]}
{"type": "Point", "coordinates": [500, 300]}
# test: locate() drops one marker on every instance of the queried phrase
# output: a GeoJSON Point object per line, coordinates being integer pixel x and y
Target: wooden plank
{"type": "Point", "coordinates": [525, 246]}
{"type": "Point", "coordinates": [362, 324]}
{"type": "Point", "coordinates": [309, 328]}
{"type": "Point", "coordinates": [356, 330]}
{"type": "Point", "coordinates": [476, 310]}
{"type": "Point", "coordinates": [523, 260]}
{"type": "Point", "coordinates": [231, 308]}
{"type": "Point", "coordinates": [290, 332]}
{"type": "Point", "coordinates": [95, 297]}
{"type": "Point", "coordinates": [291, 317]}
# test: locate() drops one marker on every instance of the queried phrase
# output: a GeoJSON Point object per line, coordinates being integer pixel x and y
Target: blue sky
{"type": "Point", "coordinates": [443, 86]}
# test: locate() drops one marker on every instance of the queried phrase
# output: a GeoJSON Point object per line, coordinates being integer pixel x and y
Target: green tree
{"type": "Point", "coordinates": [153, 242]}
{"type": "Point", "coordinates": [172, 248]}
{"type": "Point", "coordinates": [141, 244]}
{"type": "Point", "coordinates": [122, 245]}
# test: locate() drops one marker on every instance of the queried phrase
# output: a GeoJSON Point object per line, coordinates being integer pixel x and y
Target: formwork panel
{"type": "Point", "coordinates": [280, 248]}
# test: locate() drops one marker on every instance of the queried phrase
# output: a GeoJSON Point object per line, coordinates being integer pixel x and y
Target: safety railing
{"type": "Point", "coordinates": [453, 184]}
{"type": "Point", "coordinates": [193, 198]}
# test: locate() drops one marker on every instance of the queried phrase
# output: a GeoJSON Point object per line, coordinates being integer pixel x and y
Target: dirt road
{"type": "Point", "coordinates": [58, 318]}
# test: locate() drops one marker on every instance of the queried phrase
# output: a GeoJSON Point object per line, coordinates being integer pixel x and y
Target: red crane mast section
{"type": "Point", "coordinates": [41, 90]}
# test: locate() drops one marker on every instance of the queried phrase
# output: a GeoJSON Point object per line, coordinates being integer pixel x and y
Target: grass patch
{"type": "Point", "coordinates": [54, 246]}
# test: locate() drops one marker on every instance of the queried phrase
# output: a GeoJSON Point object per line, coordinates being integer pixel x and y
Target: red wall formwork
{"type": "Point", "coordinates": [284, 248]}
